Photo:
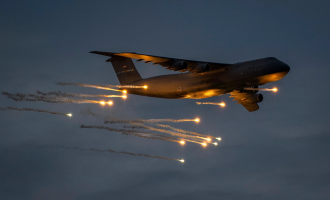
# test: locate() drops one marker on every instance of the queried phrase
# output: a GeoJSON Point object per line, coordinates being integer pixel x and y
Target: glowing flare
{"type": "Point", "coordinates": [275, 89]}
{"type": "Point", "coordinates": [125, 91]}
{"type": "Point", "coordinates": [208, 139]}
{"type": "Point", "coordinates": [197, 120]}
{"type": "Point", "coordinates": [69, 114]}
{"type": "Point", "coordinates": [145, 87]}
{"type": "Point", "coordinates": [110, 103]}
{"type": "Point", "coordinates": [204, 144]}
{"type": "Point", "coordinates": [182, 142]}
{"type": "Point", "coordinates": [215, 143]}
{"type": "Point", "coordinates": [124, 96]}
{"type": "Point", "coordinates": [102, 103]}
{"type": "Point", "coordinates": [218, 138]}
{"type": "Point", "coordinates": [222, 104]}
{"type": "Point", "coordinates": [181, 160]}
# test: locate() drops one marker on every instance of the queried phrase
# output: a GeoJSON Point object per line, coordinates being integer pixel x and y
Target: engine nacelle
{"type": "Point", "coordinates": [178, 65]}
{"type": "Point", "coordinates": [254, 98]}
{"type": "Point", "coordinates": [202, 67]}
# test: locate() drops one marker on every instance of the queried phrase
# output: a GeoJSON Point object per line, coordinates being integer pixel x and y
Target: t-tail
{"type": "Point", "coordinates": [124, 67]}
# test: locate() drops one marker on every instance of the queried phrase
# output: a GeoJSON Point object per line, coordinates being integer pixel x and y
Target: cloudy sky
{"type": "Point", "coordinates": [278, 152]}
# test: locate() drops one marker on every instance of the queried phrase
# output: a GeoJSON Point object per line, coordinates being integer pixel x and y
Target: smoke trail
{"type": "Point", "coordinates": [34, 98]}
{"type": "Point", "coordinates": [88, 111]}
{"type": "Point", "coordinates": [31, 97]}
{"type": "Point", "coordinates": [33, 110]}
{"type": "Point", "coordinates": [134, 127]}
{"type": "Point", "coordinates": [19, 96]}
{"type": "Point", "coordinates": [105, 150]}
{"type": "Point", "coordinates": [135, 133]}
{"type": "Point", "coordinates": [60, 94]}
{"type": "Point", "coordinates": [212, 103]}
{"type": "Point", "coordinates": [102, 87]}
{"type": "Point", "coordinates": [146, 127]}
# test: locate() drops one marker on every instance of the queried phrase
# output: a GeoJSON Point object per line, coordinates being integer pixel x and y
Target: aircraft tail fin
{"type": "Point", "coordinates": [124, 67]}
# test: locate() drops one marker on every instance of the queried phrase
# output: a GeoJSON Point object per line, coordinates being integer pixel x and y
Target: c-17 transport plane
{"type": "Point", "coordinates": [201, 80]}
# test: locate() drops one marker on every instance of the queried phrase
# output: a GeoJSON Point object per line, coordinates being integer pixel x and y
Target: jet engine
{"type": "Point", "coordinates": [254, 98]}
{"type": "Point", "coordinates": [178, 65]}
{"type": "Point", "coordinates": [202, 67]}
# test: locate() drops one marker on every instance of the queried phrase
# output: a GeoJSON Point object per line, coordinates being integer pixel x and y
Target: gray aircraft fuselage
{"type": "Point", "coordinates": [213, 83]}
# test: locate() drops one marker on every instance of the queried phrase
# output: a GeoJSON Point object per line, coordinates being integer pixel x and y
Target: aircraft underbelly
{"type": "Point", "coordinates": [199, 87]}
{"type": "Point", "coordinates": [204, 94]}
{"type": "Point", "coordinates": [261, 80]}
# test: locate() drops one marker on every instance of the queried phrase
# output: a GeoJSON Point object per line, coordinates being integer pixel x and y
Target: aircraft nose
{"type": "Point", "coordinates": [284, 70]}
{"type": "Point", "coordinates": [286, 67]}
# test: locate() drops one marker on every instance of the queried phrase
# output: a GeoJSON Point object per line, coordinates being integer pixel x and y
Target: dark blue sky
{"type": "Point", "coordinates": [279, 152]}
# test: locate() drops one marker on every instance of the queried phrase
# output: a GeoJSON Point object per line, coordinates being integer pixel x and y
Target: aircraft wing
{"type": "Point", "coordinates": [163, 61]}
{"type": "Point", "coordinates": [240, 97]}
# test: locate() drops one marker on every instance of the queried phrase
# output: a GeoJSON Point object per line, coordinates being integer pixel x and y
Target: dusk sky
{"type": "Point", "coordinates": [281, 151]}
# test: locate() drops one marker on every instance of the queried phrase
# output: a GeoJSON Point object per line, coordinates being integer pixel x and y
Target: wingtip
{"type": "Point", "coordinates": [103, 53]}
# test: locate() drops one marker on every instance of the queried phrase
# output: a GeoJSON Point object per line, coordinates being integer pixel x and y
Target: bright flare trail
{"type": "Point", "coordinates": [188, 138]}
{"type": "Point", "coordinates": [222, 104]}
{"type": "Point", "coordinates": [60, 94]}
{"type": "Point", "coordinates": [180, 135]}
{"type": "Point", "coordinates": [177, 135]}
{"type": "Point", "coordinates": [198, 135]}
{"type": "Point", "coordinates": [262, 89]}
{"type": "Point", "coordinates": [104, 87]}
{"type": "Point", "coordinates": [151, 121]}
{"type": "Point", "coordinates": [34, 110]}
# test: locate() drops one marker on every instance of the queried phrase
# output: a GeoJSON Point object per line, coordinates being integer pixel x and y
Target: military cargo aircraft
{"type": "Point", "coordinates": [201, 79]}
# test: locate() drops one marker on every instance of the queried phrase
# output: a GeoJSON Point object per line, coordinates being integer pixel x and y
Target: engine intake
{"type": "Point", "coordinates": [254, 98]}
{"type": "Point", "coordinates": [178, 65]}
{"type": "Point", "coordinates": [202, 67]}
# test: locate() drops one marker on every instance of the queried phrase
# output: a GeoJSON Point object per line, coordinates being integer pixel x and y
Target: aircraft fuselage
{"type": "Point", "coordinates": [213, 83]}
